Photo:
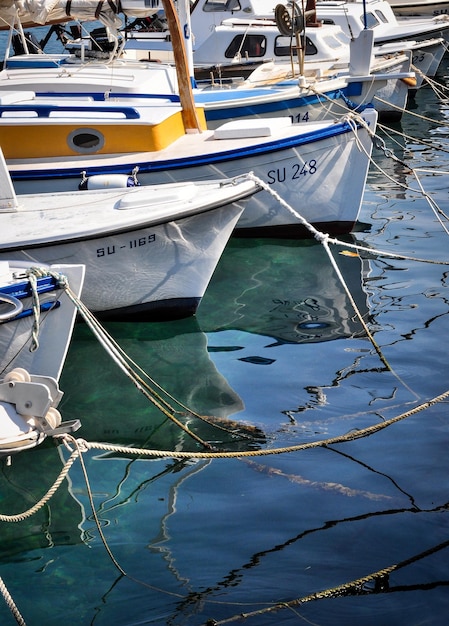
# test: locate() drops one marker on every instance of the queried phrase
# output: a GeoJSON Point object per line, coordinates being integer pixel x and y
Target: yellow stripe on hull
{"type": "Point", "coordinates": [49, 138]}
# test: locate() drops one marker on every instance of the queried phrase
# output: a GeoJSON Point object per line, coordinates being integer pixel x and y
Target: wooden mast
{"type": "Point", "coordinates": [189, 116]}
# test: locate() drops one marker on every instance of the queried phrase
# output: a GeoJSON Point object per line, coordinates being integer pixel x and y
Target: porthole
{"type": "Point", "coordinates": [85, 140]}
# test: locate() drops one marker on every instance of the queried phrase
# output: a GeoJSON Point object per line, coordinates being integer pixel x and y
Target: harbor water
{"type": "Point", "coordinates": [354, 532]}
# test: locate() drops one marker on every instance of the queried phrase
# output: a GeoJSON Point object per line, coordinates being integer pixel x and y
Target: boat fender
{"type": "Point", "coordinates": [108, 181]}
{"type": "Point", "coordinates": [409, 81]}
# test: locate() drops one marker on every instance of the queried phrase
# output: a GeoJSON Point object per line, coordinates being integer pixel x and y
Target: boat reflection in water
{"type": "Point", "coordinates": [285, 289]}
{"type": "Point", "coordinates": [175, 355]}
{"type": "Point", "coordinates": [277, 293]}
{"type": "Point", "coordinates": [112, 410]}
{"type": "Point", "coordinates": [271, 314]}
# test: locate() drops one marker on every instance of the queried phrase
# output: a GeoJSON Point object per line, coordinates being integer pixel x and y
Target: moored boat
{"type": "Point", "coordinates": [314, 173]}
{"type": "Point", "coordinates": [318, 169]}
{"type": "Point", "coordinates": [324, 82]}
{"type": "Point", "coordinates": [36, 324]}
{"type": "Point", "coordinates": [148, 251]}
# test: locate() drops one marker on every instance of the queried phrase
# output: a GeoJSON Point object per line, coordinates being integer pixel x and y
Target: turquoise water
{"type": "Point", "coordinates": [277, 353]}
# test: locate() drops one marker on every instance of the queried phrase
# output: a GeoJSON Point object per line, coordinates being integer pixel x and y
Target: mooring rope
{"type": "Point", "coordinates": [136, 374]}
{"type": "Point", "coordinates": [11, 604]}
{"type": "Point", "coordinates": [32, 275]}
{"type": "Point", "coordinates": [332, 592]}
{"type": "Point", "coordinates": [82, 446]}
{"type": "Point", "coordinates": [322, 443]}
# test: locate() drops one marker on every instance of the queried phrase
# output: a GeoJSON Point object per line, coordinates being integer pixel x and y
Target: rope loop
{"type": "Point", "coordinates": [33, 274]}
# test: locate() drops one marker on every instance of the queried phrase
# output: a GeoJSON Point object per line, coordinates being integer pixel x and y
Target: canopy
{"type": "Point", "coordinates": [40, 12]}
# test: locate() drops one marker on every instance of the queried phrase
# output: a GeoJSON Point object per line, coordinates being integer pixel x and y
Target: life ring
{"type": "Point", "coordinates": [12, 301]}
{"type": "Point", "coordinates": [289, 19]}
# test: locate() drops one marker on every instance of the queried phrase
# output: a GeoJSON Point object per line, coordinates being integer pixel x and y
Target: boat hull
{"type": "Point", "coordinates": [307, 104]}
{"type": "Point", "coordinates": [318, 171]}
{"type": "Point", "coordinates": [157, 272]}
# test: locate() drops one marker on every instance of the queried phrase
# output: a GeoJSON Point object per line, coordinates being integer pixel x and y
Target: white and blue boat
{"type": "Point", "coordinates": [149, 252]}
{"type": "Point", "coordinates": [36, 324]}
{"type": "Point", "coordinates": [101, 64]}
{"type": "Point", "coordinates": [318, 170]}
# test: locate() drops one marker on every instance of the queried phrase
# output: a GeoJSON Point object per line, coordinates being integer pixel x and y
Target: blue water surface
{"type": "Point", "coordinates": [350, 533]}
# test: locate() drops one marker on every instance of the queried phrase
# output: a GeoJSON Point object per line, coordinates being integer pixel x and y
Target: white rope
{"type": "Point", "coordinates": [10, 602]}
{"type": "Point", "coordinates": [32, 277]}
{"type": "Point", "coordinates": [380, 144]}
{"type": "Point", "coordinates": [321, 237]}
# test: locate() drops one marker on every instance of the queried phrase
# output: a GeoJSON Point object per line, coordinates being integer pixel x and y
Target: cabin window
{"type": "Point", "coordinates": [221, 5]}
{"type": "Point", "coordinates": [85, 140]}
{"type": "Point", "coordinates": [283, 44]}
{"type": "Point", "coordinates": [247, 46]}
{"type": "Point", "coordinates": [342, 37]}
{"type": "Point", "coordinates": [333, 42]}
{"type": "Point", "coordinates": [371, 20]}
{"type": "Point", "coordinates": [381, 17]}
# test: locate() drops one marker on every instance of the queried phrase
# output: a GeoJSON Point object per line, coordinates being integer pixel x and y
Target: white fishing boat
{"type": "Point", "coordinates": [209, 17]}
{"type": "Point", "coordinates": [377, 15]}
{"type": "Point", "coordinates": [148, 251]}
{"type": "Point", "coordinates": [351, 15]}
{"type": "Point", "coordinates": [330, 73]}
{"type": "Point", "coordinates": [36, 324]}
{"type": "Point", "coordinates": [325, 84]}
{"type": "Point", "coordinates": [319, 170]}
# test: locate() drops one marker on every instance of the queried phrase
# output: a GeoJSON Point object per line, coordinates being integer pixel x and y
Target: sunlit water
{"type": "Point", "coordinates": [277, 348]}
